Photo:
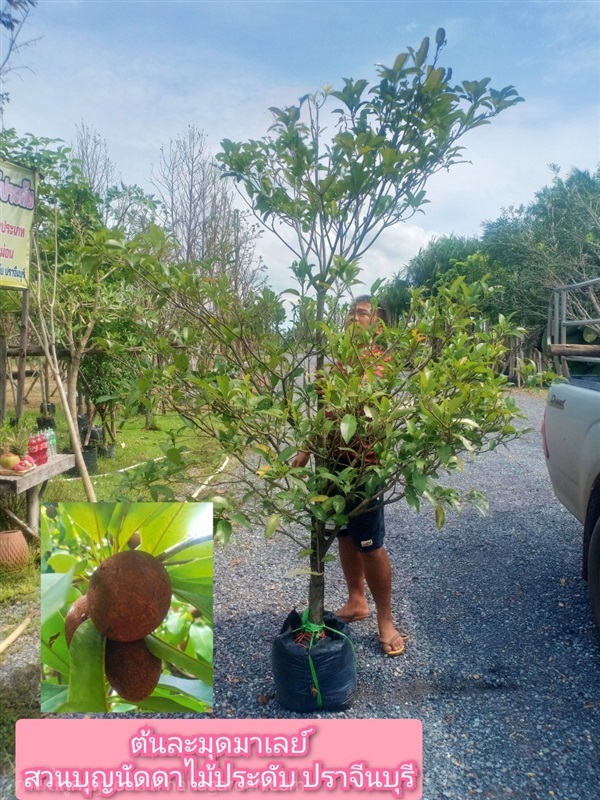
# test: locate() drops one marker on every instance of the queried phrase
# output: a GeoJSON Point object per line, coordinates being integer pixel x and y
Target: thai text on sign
{"type": "Point", "coordinates": [17, 201]}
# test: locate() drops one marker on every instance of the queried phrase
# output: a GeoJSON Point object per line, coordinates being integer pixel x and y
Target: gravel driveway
{"type": "Point", "coordinates": [502, 663]}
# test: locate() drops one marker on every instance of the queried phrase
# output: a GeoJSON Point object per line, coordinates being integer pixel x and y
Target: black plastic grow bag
{"type": "Point", "coordinates": [330, 685]}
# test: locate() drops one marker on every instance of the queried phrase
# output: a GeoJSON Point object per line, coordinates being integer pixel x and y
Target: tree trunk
{"type": "Point", "coordinates": [23, 332]}
{"type": "Point", "coordinates": [3, 381]}
{"type": "Point", "coordinates": [72, 375]}
{"type": "Point", "coordinates": [71, 421]}
{"type": "Point", "coordinates": [316, 589]}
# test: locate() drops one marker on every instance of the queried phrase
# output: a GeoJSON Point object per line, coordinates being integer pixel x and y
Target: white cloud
{"type": "Point", "coordinates": [141, 96]}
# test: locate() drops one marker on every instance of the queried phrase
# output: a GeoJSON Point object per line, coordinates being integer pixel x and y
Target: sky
{"type": "Point", "coordinates": [140, 71]}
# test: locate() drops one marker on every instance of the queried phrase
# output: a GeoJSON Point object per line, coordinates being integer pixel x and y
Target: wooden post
{"type": "Point", "coordinates": [33, 509]}
{"type": "Point", "coordinates": [3, 378]}
{"type": "Point", "coordinates": [22, 354]}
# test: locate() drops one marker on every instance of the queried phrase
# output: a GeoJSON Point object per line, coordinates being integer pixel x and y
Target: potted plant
{"type": "Point", "coordinates": [17, 441]}
{"type": "Point", "coordinates": [309, 387]}
{"type": "Point", "coordinates": [8, 459]}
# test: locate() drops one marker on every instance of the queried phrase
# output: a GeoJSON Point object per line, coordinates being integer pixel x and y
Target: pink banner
{"type": "Point", "coordinates": [182, 757]}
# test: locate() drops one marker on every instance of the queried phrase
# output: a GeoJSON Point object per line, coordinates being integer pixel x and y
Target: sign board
{"type": "Point", "coordinates": [17, 200]}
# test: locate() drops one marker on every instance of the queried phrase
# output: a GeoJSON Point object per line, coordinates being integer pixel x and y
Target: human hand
{"type": "Point", "coordinates": [301, 459]}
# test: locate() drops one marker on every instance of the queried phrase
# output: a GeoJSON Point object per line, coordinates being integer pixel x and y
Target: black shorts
{"type": "Point", "coordinates": [368, 529]}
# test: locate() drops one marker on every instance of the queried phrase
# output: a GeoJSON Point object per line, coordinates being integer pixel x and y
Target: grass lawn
{"type": "Point", "coordinates": [135, 445]}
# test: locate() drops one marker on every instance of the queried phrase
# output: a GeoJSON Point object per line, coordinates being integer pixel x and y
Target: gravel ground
{"type": "Point", "coordinates": [19, 677]}
{"type": "Point", "coordinates": [502, 661]}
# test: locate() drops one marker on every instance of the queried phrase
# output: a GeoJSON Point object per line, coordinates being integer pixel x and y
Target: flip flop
{"type": "Point", "coordinates": [352, 617]}
{"type": "Point", "coordinates": [391, 653]}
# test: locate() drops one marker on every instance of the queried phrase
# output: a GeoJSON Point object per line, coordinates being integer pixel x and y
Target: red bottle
{"type": "Point", "coordinates": [42, 449]}
{"type": "Point", "coordinates": [32, 448]}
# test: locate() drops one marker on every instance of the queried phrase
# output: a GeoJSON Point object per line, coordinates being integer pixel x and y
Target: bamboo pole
{"type": "Point", "coordinates": [14, 635]}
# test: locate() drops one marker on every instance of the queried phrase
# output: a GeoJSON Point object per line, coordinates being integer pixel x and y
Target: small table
{"type": "Point", "coordinates": [33, 484]}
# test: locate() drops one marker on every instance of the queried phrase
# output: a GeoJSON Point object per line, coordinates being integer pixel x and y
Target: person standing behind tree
{"type": "Point", "coordinates": [363, 556]}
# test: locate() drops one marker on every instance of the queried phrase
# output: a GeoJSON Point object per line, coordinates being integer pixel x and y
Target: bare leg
{"type": "Point", "coordinates": [352, 567]}
{"type": "Point", "coordinates": [378, 573]}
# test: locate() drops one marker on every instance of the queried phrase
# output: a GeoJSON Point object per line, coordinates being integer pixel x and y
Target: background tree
{"type": "Point", "coordinates": [438, 257]}
{"type": "Point", "coordinates": [78, 283]}
{"type": "Point", "coordinates": [197, 209]}
{"type": "Point", "coordinates": [551, 242]}
{"type": "Point", "coordinates": [124, 207]}
{"type": "Point", "coordinates": [13, 15]}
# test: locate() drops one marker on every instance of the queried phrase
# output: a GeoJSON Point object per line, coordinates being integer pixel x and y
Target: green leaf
{"type": "Point", "coordinates": [62, 562]}
{"type": "Point", "coordinates": [420, 481]}
{"type": "Point", "coordinates": [93, 518]}
{"type": "Point", "coordinates": [440, 516]}
{"type": "Point", "coordinates": [272, 525]}
{"type": "Point", "coordinates": [157, 534]}
{"type": "Point", "coordinates": [87, 688]}
{"type": "Point", "coordinates": [53, 646]}
{"type": "Point", "coordinates": [422, 54]}
{"type": "Point", "coordinates": [287, 453]}
{"type": "Point", "coordinates": [161, 701]}
{"type": "Point", "coordinates": [412, 498]}
{"type": "Point", "coordinates": [55, 589]}
{"type": "Point", "coordinates": [195, 593]}
{"type": "Point", "coordinates": [199, 570]}
{"type": "Point", "coordinates": [223, 531]}
{"type": "Point", "coordinates": [348, 427]}
{"type": "Point", "coordinates": [197, 689]}
{"type": "Point", "coordinates": [201, 637]}
{"type": "Point", "coordinates": [53, 696]}
{"type": "Point", "coordinates": [202, 555]}
{"type": "Point", "coordinates": [174, 656]}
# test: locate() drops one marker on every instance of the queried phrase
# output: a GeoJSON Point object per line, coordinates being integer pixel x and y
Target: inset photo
{"type": "Point", "coordinates": [127, 608]}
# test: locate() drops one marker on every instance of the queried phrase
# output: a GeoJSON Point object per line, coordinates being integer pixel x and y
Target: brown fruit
{"type": "Point", "coordinates": [131, 669]}
{"type": "Point", "coordinates": [129, 595]}
{"type": "Point", "coordinates": [134, 541]}
{"type": "Point", "coordinates": [77, 614]}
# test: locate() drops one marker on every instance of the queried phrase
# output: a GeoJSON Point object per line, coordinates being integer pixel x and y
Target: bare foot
{"type": "Point", "coordinates": [352, 612]}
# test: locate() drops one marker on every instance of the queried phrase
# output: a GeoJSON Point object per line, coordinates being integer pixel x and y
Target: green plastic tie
{"type": "Point", "coordinates": [313, 672]}
{"type": "Point", "coordinates": [310, 626]}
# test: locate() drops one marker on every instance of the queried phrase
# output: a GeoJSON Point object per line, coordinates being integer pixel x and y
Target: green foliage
{"type": "Point", "coordinates": [76, 537]}
{"type": "Point", "coordinates": [395, 416]}
{"type": "Point", "coordinates": [526, 252]}
{"type": "Point", "coordinates": [395, 297]}
{"type": "Point", "coordinates": [438, 258]}
{"type": "Point", "coordinates": [372, 171]}
{"type": "Point", "coordinates": [552, 241]}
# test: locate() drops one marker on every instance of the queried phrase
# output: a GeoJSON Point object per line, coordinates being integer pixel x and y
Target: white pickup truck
{"type": "Point", "coordinates": [571, 427]}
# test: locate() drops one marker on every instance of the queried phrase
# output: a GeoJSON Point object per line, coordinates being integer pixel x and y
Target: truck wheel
{"type": "Point", "coordinates": [594, 573]}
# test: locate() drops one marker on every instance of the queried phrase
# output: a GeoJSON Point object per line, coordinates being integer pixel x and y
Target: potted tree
{"type": "Point", "coordinates": [275, 391]}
